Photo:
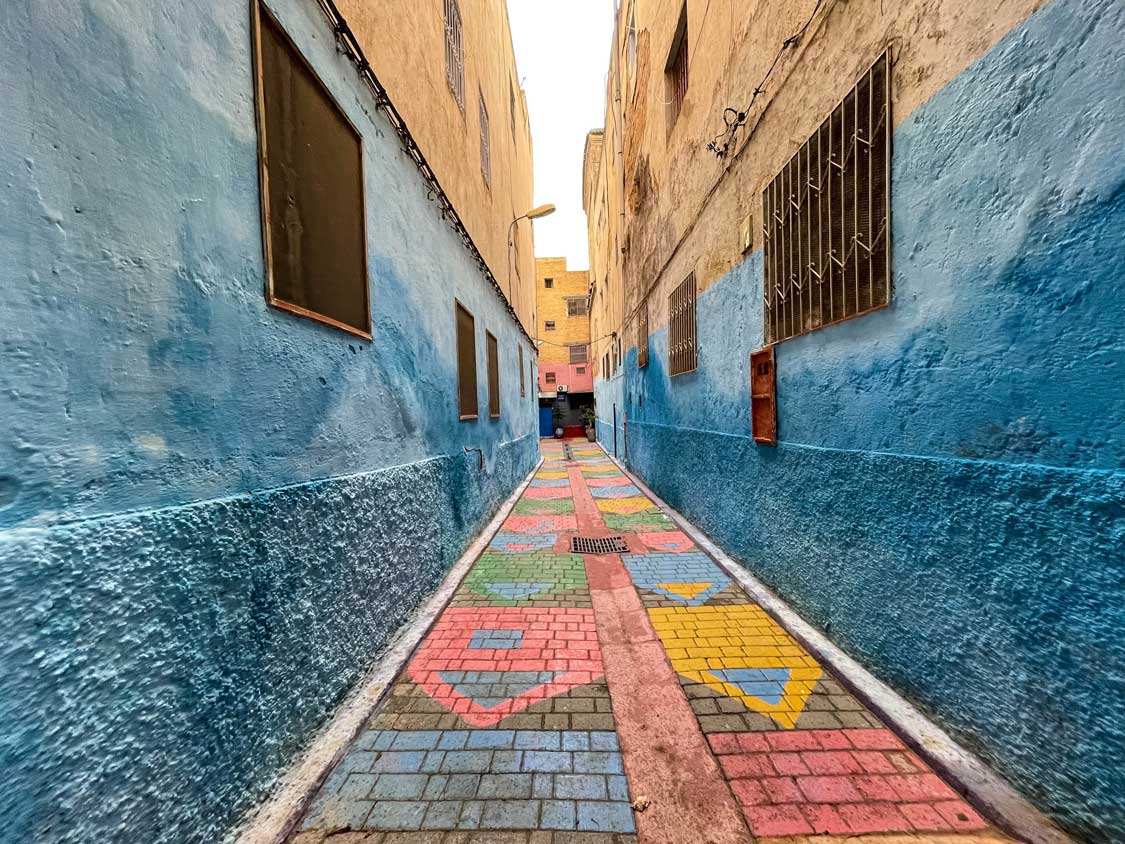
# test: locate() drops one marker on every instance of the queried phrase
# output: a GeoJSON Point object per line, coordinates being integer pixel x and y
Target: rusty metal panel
{"type": "Point", "coordinates": [681, 328]}
{"type": "Point", "coordinates": [763, 396]}
{"type": "Point", "coordinates": [466, 363]}
{"type": "Point", "coordinates": [826, 217]}
{"type": "Point", "coordinates": [493, 375]}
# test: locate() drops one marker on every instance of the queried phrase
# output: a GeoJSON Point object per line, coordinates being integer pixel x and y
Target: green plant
{"type": "Point", "coordinates": [588, 416]}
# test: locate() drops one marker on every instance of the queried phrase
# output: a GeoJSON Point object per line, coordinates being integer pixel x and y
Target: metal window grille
{"type": "Point", "coordinates": [677, 69]}
{"type": "Point", "coordinates": [827, 217]}
{"type": "Point", "coordinates": [466, 363]}
{"type": "Point", "coordinates": [578, 353]}
{"type": "Point", "coordinates": [549, 325]}
{"type": "Point", "coordinates": [549, 377]}
{"type": "Point", "coordinates": [598, 545]}
{"type": "Point", "coordinates": [493, 375]}
{"type": "Point", "coordinates": [642, 335]}
{"type": "Point", "coordinates": [454, 54]}
{"type": "Point", "coordinates": [523, 383]}
{"type": "Point", "coordinates": [681, 328]}
{"type": "Point", "coordinates": [485, 155]}
{"type": "Point", "coordinates": [576, 306]}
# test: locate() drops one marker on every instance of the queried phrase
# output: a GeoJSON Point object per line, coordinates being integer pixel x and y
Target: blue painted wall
{"type": "Point", "coordinates": [947, 499]}
{"type": "Point", "coordinates": [213, 515]}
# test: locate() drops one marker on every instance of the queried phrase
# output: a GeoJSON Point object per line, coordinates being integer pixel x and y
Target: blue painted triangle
{"type": "Point", "coordinates": [766, 684]}
{"type": "Point", "coordinates": [516, 591]}
{"type": "Point", "coordinates": [499, 686]}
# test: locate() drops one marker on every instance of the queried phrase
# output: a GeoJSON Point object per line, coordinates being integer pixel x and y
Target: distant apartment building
{"type": "Point", "coordinates": [267, 366]}
{"type": "Point", "coordinates": [857, 312]}
{"type": "Point", "coordinates": [566, 381]}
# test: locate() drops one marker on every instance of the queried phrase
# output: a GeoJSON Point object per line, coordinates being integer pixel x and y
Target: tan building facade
{"type": "Point", "coordinates": [450, 70]}
{"type": "Point", "coordinates": [563, 329]}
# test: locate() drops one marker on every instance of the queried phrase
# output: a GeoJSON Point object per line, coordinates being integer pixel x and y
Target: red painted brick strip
{"type": "Point", "coordinates": [666, 757]}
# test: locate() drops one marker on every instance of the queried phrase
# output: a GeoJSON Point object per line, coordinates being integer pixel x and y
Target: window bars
{"type": "Point", "coordinates": [485, 155]}
{"type": "Point", "coordinates": [578, 353]}
{"type": "Point", "coordinates": [677, 68]}
{"type": "Point", "coordinates": [576, 306]}
{"type": "Point", "coordinates": [681, 327]}
{"type": "Point", "coordinates": [827, 217]}
{"type": "Point", "coordinates": [454, 53]}
{"type": "Point", "coordinates": [642, 335]}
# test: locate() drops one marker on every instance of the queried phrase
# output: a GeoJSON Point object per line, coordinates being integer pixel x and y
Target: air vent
{"type": "Point", "coordinates": [599, 545]}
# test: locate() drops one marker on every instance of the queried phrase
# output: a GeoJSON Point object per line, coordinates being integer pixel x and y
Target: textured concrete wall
{"type": "Point", "coordinates": [213, 514]}
{"type": "Point", "coordinates": [947, 498]}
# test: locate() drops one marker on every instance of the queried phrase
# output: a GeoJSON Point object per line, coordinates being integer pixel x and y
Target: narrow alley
{"type": "Point", "coordinates": [595, 661]}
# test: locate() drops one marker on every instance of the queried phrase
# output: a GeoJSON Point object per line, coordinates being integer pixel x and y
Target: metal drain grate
{"type": "Point", "coordinates": [566, 452]}
{"type": "Point", "coordinates": [599, 545]}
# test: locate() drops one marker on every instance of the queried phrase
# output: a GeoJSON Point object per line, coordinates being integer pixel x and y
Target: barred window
{"type": "Point", "coordinates": [548, 283]}
{"type": "Point", "coordinates": [493, 375]}
{"type": "Point", "coordinates": [454, 55]}
{"type": "Point", "coordinates": [642, 335]}
{"type": "Point", "coordinates": [676, 71]}
{"type": "Point", "coordinates": [578, 353]}
{"type": "Point", "coordinates": [485, 154]}
{"type": "Point", "coordinates": [576, 306]}
{"type": "Point", "coordinates": [681, 327]}
{"type": "Point", "coordinates": [549, 377]}
{"type": "Point", "coordinates": [827, 213]}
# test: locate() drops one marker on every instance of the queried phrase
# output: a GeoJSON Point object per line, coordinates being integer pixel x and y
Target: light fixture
{"type": "Point", "coordinates": [534, 214]}
{"type": "Point", "coordinates": [541, 211]}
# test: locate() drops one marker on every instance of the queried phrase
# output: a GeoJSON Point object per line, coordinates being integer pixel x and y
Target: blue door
{"type": "Point", "coordinates": [546, 422]}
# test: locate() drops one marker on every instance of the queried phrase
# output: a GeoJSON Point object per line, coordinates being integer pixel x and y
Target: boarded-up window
{"type": "Point", "coordinates": [466, 363]}
{"type": "Point", "coordinates": [676, 71]}
{"type": "Point", "coordinates": [523, 384]}
{"type": "Point", "coordinates": [549, 377]}
{"type": "Point", "coordinates": [485, 153]}
{"type": "Point", "coordinates": [576, 306]}
{"type": "Point", "coordinates": [642, 335]}
{"type": "Point", "coordinates": [493, 375]}
{"type": "Point", "coordinates": [578, 353]}
{"type": "Point", "coordinates": [827, 256]}
{"type": "Point", "coordinates": [311, 164]}
{"type": "Point", "coordinates": [454, 53]}
{"type": "Point", "coordinates": [681, 328]}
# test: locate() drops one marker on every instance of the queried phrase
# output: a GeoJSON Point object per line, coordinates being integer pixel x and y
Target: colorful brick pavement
{"type": "Point", "coordinates": [555, 688]}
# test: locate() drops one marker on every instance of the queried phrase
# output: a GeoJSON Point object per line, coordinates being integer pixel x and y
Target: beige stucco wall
{"type": "Point", "coordinates": [405, 42]}
{"type": "Point", "coordinates": [684, 206]}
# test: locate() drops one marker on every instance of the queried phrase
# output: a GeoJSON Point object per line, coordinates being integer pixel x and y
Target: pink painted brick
{"type": "Point", "coordinates": [724, 742]}
{"type": "Point", "coordinates": [746, 765]}
{"type": "Point", "coordinates": [776, 820]}
{"type": "Point", "coordinates": [796, 740]}
{"type": "Point", "coordinates": [753, 742]}
{"type": "Point", "coordinates": [919, 788]}
{"type": "Point", "coordinates": [874, 788]}
{"type": "Point", "coordinates": [874, 817]}
{"type": "Point", "coordinates": [924, 817]}
{"type": "Point", "coordinates": [750, 792]}
{"type": "Point", "coordinates": [828, 789]}
{"type": "Point", "coordinates": [782, 790]}
{"type": "Point", "coordinates": [873, 739]}
{"type": "Point", "coordinates": [960, 815]}
{"type": "Point", "coordinates": [832, 740]}
{"type": "Point", "coordinates": [824, 819]}
{"type": "Point", "coordinates": [874, 762]}
{"type": "Point", "coordinates": [831, 762]}
{"type": "Point", "coordinates": [790, 764]}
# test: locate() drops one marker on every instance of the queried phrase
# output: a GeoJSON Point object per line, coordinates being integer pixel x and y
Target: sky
{"type": "Point", "coordinates": [562, 55]}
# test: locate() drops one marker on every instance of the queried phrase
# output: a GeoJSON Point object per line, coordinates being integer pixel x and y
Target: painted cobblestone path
{"type": "Point", "coordinates": [557, 688]}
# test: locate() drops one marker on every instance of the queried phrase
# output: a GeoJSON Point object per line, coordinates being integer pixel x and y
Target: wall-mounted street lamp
{"type": "Point", "coordinates": [534, 214]}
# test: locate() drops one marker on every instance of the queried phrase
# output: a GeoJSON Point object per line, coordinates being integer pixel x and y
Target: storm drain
{"type": "Point", "coordinates": [566, 452]}
{"type": "Point", "coordinates": [599, 545]}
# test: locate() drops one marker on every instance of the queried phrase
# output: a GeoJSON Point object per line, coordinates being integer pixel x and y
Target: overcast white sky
{"type": "Point", "coordinates": [562, 54]}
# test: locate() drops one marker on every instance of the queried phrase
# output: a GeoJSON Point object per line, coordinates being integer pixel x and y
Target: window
{"type": "Point", "coordinates": [466, 363]}
{"type": "Point", "coordinates": [523, 383]}
{"type": "Point", "coordinates": [681, 327]}
{"type": "Point", "coordinates": [576, 306]}
{"type": "Point", "coordinates": [605, 365]}
{"type": "Point", "coordinates": [311, 167]}
{"type": "Point", "coordinates": [549, 325]}
{"type": "Point", "coordinates": [454, 55]}
{"type": "Point", "coordinates": [512, 107]}
{"type": "Point", "coordinates": [548, 283]}
{"type": "Point", "coordinates": [827, 213]}
{"type": "Point", "coordinates": [579, 370]}
{"type": "Point", "coordinates": [493, 375]}
{"type": "Point", "coordinates": [642, 335]}
{"type": "Point", "coordinates": [578, 353]}
{"type": "Point", "coordinates": [631, 51]}
{"type": "Point", "coordinates": [485, 157]}
{"type": "Point", "coordinates": [676, 70]}
{"type": "Point", "coordinates": [549, 377]}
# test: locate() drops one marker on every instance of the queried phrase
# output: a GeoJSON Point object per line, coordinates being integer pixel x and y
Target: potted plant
{"type": "Point", "coordinates": [588, 417]}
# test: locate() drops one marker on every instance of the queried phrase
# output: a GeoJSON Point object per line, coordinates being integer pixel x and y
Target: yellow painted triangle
{"type": "Point", "coordinates": [684, 590]}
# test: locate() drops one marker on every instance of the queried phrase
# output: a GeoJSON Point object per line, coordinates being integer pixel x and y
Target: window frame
{"type": "Point", "coordinates": [523, 381]}
{"type": "Point", "coordinates": [263, 176]}
{"type": "Point", "coordinates": [676, 69]}
{"type": "Point", "coordinates": [680, 305]}
{"type": "Point", "coordinates": [642, 336]}
{"type": "Point", "coordinates": [462, 416]}
{"type": "Point", "coordinates": [549, 325]}
{"type": "Point", "coordinates": [549, 283]}
{"type": "Point", "coordinates": [585, 352]}
{"type": "Point", "coordinates": [571, 302]}
{"type": "Point", "coordinates": [455, 53]}
{"type": "Point", "coordinates": [550, 377]}
{"type": "Point", "coordinates": [492, 367]}
{"type": "Point", "coordinates": [485, 139]}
